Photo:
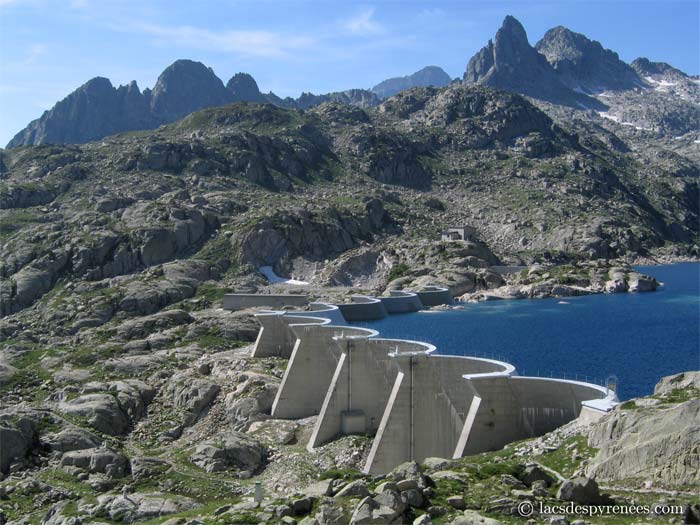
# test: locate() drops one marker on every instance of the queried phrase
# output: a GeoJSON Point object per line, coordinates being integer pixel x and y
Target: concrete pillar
{"type": "Point", "coordinates": [427, 409]}
{"type": "Point", "coordinates": [275, 339]}
{"type": "Point", "coordinates": [310, 369]}
{"type": "Point", "coordinates": [362, 382]}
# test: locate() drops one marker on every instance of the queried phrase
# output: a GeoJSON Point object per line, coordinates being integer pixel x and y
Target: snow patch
{"type": "Point", "coordinates": [608, 116]}
{"type": "Point", "coordinates": [268, 272]}
{"type": "Point", "coordinates": [660, 85]}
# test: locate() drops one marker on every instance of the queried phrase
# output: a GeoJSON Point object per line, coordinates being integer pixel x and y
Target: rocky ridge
{"type": "Point", "coordinates": [510, 62]}
{"type": "Point", "coordinates": [567, 70]}
{"type": "Point", "coordinates": [97, 109]}
{"type": "Point", "coordinates": [584, 64]}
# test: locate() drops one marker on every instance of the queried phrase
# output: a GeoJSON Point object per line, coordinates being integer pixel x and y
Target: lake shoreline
{"type": "Point", "coordinates": [662, 260]}
{"type": "Point", "coordinates": [637, 337]}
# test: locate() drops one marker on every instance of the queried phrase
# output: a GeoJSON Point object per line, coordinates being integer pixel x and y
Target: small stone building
{"type": "Point", "coordinates": [459, 233]}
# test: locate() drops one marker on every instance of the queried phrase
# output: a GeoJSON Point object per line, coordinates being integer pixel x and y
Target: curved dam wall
{"type": "Point", "coordinates": [428, 408]}
{"type": "Point", "coordinates": [360, 308]}
{"type": "Point", "coordinates": [415, 403]}
{"type": "Point", "coordinates": [511, 408]}
{"type": "Point", "coordinates": [435, 296]}
{"type": "Point", "coordinates": [363, 308]}
{"type": "Point", "coordinates": [275, 339]}
{"type": "Point", "coordinates": [400, 302]}
{"type": "Point", "coordinates": [329, 311]}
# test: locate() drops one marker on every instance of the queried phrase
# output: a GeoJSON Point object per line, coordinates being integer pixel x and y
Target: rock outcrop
{"type": "Point", "coordinates": [656, 440]}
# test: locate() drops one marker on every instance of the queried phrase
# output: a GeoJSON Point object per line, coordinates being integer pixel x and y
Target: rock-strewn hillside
{"type": "Point", "coordinates": [654, 438]}
{"type": "Point", "coordinates": [128, 394]}
{"type": "Point", "coordinates": [175, 426]}
{"type": "Point", "coordinates": [326, 181]}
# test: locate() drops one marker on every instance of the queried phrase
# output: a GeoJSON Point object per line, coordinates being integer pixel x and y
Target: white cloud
{"type": "Point", "coordinates": [363, 23]}
{"type": "Point", "coordinates": [249, 42]}
{"type": "Point", "coordinates": [34, 52]}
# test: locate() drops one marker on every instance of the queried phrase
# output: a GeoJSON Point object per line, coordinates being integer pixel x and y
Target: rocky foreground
{"type": "Point", "coordinates": [182, 436]}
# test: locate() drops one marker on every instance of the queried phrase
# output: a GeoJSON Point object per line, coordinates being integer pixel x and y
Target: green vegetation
{"type": "Point", "coordinates": [348, 474]}
{"type": "Point", "coordinates": [563, 461]}
{"type": "Point", "coordinates": [398, 270]}
{"type": "Point", "coordinates": [678, 395]}
{"type": "Point", "coordinates": [211, 292]}
{"type": "Point", "coordinates": [14, 220]}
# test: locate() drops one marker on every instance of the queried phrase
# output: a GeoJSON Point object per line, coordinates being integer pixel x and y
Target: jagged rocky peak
{"type": "Point", "coordinates": [430, 76]}
{"type": "Point", "coordinates": [510, 62]}
{"type": "Point", "coordinates": [186, 86]}
{"type": "Point", "coordinates": [583, 64]}
{"type": "Point", "coordinates": [511, 45]}
{"type": "Point", "coordinates": [90, 112]}
{"type": "Point", "coordinates": [243, 87]}
{"type": "Point", "coordinates": [646, 68]}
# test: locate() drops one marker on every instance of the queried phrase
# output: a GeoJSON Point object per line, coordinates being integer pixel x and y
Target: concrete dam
{"type": "Point", "coordinates": [415, 402]}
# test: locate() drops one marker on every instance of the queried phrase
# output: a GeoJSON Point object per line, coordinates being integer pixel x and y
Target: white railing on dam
{"type": "Point", "coordinates": [416, 403]}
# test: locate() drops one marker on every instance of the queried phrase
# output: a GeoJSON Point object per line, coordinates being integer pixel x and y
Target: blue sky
{"type": "Point", "coordinates": [48, 48]}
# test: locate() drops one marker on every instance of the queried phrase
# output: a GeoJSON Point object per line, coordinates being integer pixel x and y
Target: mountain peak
{"type": "Point", "coordinates": [583, 64]}
{"type": "Point", "coordinates": [512, 27]}
{"type": "Point", "coordinates": [186, 86]}
{"type": "Point", "coordinates": [243, 87]}
{"type": "Point", "coordinates": [511, 63]}
{"type": "Point", "coordinates": [428, 76]}
{"type": "Point", "coordinates": [96, 85]}
{"type": "Point", "coordinates": [646, 68]}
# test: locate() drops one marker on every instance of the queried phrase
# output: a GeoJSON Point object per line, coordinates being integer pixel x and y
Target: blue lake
{"type": "Point", "coordinates": [637, 337]}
